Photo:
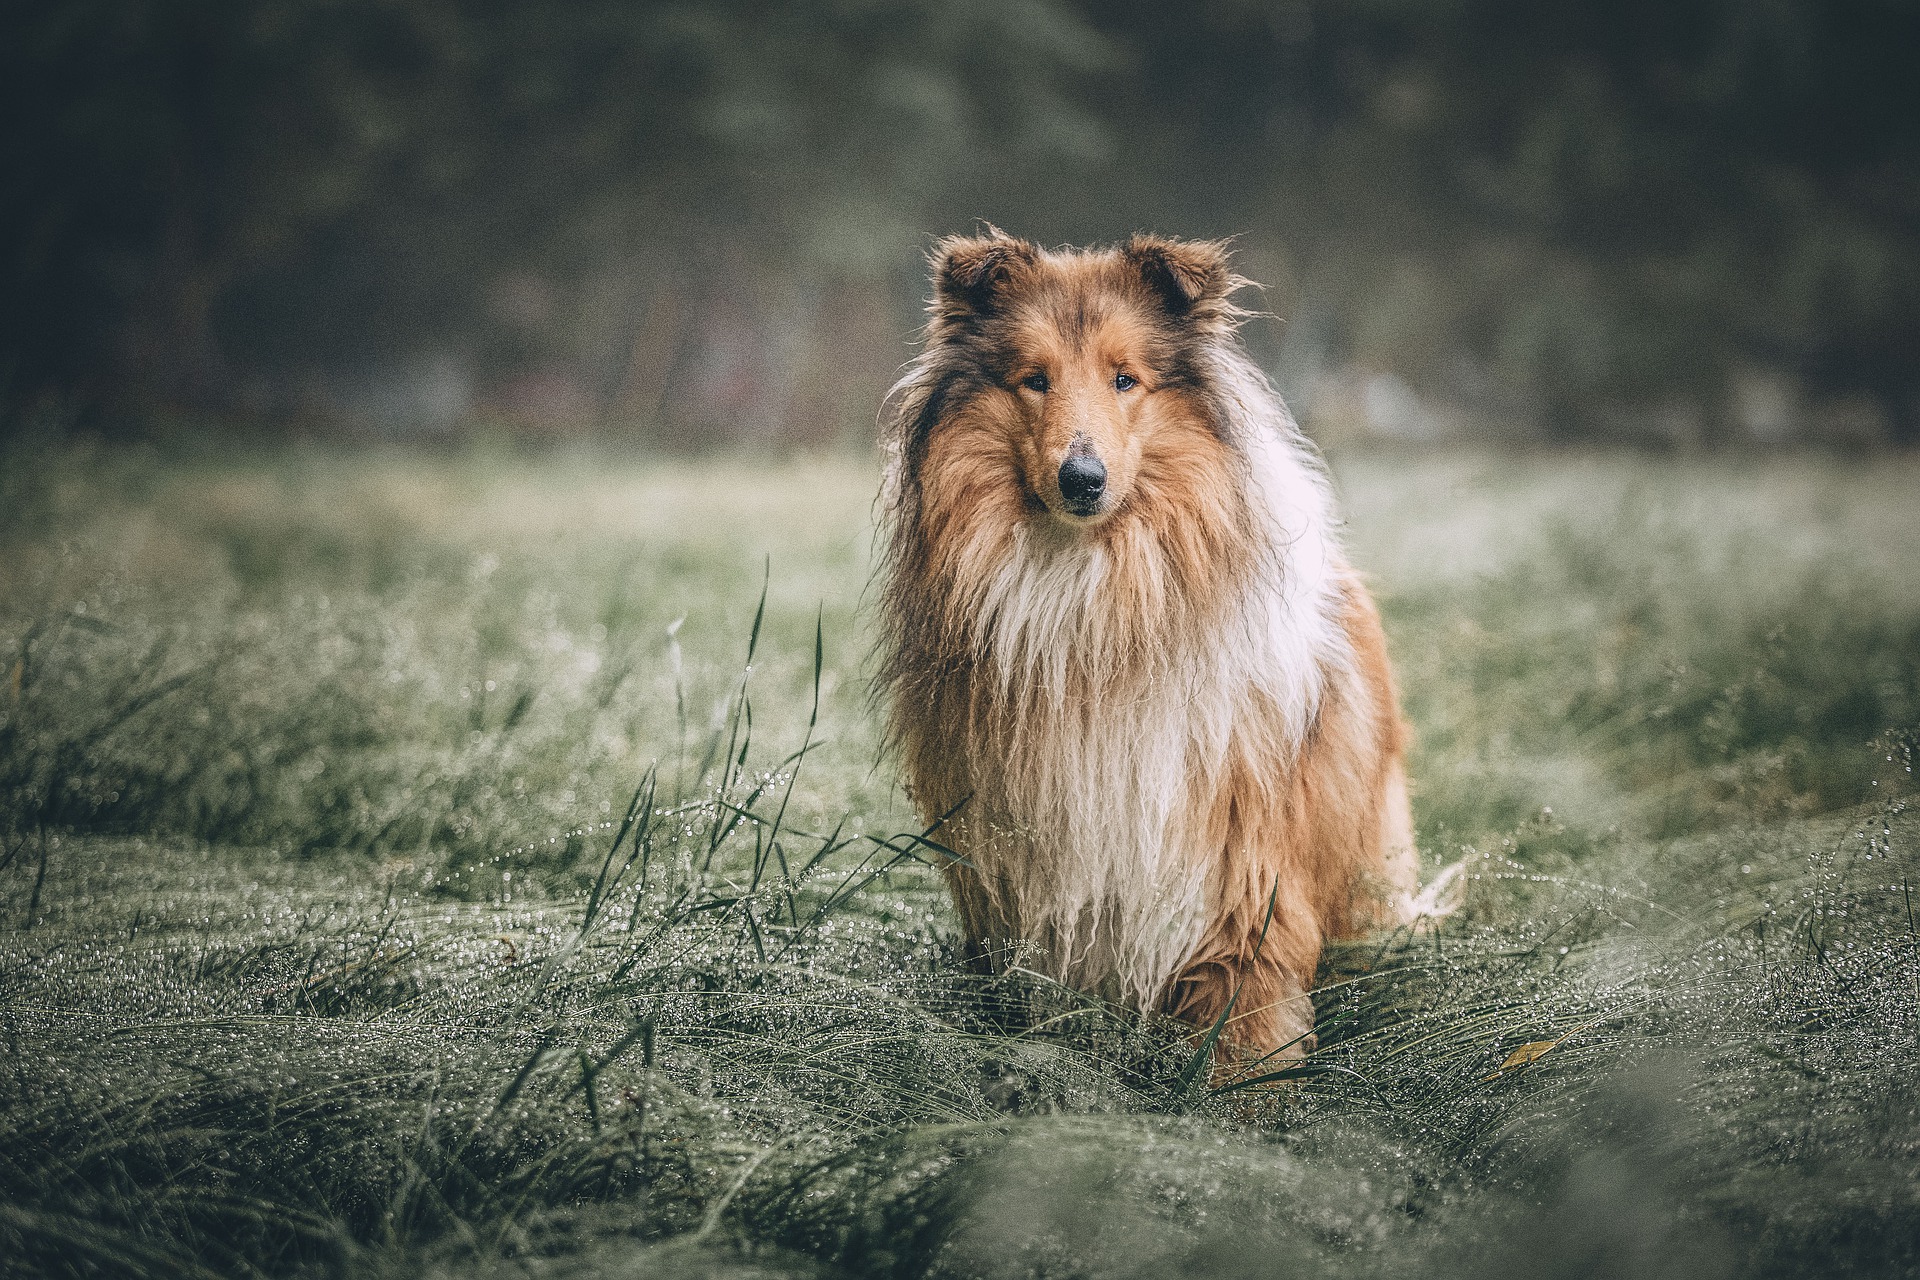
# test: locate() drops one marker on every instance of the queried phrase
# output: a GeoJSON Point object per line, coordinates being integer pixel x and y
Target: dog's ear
{"type": "Point", "coordinates": [1191, 276]}
{"type": "Point", "coordinates": [969, 270]}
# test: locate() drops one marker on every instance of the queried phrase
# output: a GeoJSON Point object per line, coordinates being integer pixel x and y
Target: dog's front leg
{"type": "Point", "coordinates": [1260, 984]}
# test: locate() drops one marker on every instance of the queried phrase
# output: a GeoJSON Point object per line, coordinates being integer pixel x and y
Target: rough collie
{"type": "Point", "coordinates": [1123, 655]}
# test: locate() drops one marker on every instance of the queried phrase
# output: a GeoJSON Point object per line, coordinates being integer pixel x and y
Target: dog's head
{"type": "Point", "coordinates": [1082, 369]}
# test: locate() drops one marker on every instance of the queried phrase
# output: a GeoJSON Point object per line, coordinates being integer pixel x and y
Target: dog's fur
{"type": "Point", "coordinates": [1163, 728]}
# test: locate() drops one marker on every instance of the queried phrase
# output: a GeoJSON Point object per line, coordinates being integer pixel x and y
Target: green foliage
{"type": "Point", "coordinates": [1587, 220]}
{"type": "Point", "coordinates": [1663, 222]}
{"type": "Point", "coordinates": [312, 190]}
{"type": "Point", "coordinates": [620, 969]}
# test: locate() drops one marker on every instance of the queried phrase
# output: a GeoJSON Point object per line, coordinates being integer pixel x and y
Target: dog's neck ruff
{"type": "Point", "coordinates": [1104, 722]}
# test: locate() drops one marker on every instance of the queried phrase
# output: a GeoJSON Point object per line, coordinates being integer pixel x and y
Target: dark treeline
{"type": "Point", "coordinates": [1690, 222]}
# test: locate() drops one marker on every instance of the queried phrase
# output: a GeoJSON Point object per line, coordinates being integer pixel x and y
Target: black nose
{"type": "Point", "coordinates": [1083, 478]}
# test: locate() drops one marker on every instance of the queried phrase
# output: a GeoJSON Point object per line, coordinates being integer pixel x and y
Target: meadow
{"type": "Point", "coordinates": [477, 863]}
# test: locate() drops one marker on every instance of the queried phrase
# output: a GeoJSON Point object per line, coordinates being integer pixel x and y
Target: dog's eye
{"type": "Point", "coordinates": [1036, 382]}
{"type": "Point", "coordinates": [1124, 382]}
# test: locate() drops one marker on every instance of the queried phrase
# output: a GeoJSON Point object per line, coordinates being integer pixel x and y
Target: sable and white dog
{"type": "Point", "coordinates": [1121, 645]}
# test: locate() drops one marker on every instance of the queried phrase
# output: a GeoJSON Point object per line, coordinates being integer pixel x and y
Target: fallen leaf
{"type": "Point", "coordinates": [1527, 1054]}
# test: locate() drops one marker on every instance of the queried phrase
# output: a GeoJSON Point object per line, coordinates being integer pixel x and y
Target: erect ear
{"type": "Point", "coordinates": [1188, 275]}
{"type": "Point", "coordinates": [969, 270]}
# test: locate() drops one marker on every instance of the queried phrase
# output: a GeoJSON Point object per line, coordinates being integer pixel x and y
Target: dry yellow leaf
{"type": "Point", "coordinates": [1527, 1053]}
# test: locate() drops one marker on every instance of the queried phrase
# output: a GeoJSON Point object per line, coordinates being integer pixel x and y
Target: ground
{"type": "Point", "coordinates": [478, 862]}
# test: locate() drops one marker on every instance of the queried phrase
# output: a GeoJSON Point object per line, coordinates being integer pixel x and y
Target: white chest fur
{"type": "Point", "coordinates": [1095, 782]}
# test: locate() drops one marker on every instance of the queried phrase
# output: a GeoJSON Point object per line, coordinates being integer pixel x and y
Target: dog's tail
{"type": "Point", "coordinates": [1442, 896]}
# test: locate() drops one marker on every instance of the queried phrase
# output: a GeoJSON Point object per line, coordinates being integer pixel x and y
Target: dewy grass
{"type": "Point", "coordinates": [399, 874]}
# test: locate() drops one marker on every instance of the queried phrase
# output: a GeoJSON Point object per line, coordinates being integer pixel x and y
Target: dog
{"type": "Point", "coordinates": [1128, 671]}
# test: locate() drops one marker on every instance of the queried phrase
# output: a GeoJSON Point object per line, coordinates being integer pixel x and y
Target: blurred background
{"type": "Point", "coordinates": [1684, 223]}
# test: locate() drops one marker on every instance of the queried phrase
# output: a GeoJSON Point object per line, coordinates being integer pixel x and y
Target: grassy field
{"type": "Point", "coordinates": [483, 865]}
